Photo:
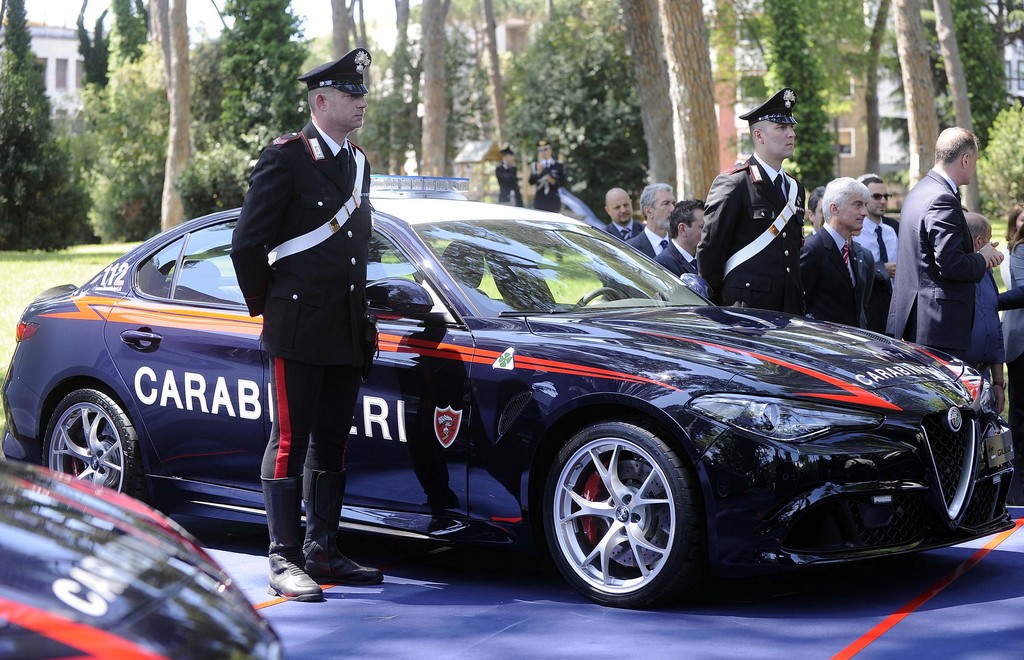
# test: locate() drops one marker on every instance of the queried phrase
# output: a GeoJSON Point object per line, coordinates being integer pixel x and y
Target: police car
{"type": "Point", "coordinates": [90, 573]}
{"type": "Point", "coordinates": [537, 382]}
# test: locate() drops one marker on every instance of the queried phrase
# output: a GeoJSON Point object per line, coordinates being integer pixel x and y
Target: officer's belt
{"type": "Point", "coordinates": [768, 235]}
{"type": "Point", "coordinates": [323, 232]}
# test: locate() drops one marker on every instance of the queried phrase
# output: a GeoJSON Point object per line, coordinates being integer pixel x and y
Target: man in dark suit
{"type": "Point", "coordinates": [837, 274]}
{"type": "Point", "coordinates": [300, 250]}
{"type": "Point", "coordinates": [619, 208]}
{"type": "Point", "coordinates": [548, 176]}
{"type": "Point", "coordinates": [508, 179]}
{"type": "Point", "coordinates": [753, 219]}
{"type": "Point", "coordinates": [933, 296]}
{"type": "Point", "coordinates": [685, 224]}
{"type": "Point", "coordinates": [880, 237]}
{"type": "Point", "coordinates": [656, 203]}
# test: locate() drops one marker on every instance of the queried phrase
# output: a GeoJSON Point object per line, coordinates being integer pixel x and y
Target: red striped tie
{"type": "Point", "coordinates": [846, 259]}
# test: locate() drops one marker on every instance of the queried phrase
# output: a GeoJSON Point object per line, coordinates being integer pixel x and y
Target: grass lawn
{"type": "Point", "coordinates": [24, 275]}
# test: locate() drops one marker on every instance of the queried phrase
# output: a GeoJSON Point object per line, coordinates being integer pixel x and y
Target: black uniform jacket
{"type": "Point", "coordinates": [508, 185]}
{"type": "Point", "coordinates": [829, 292]}
{"type": "Point", "coordinates": [741, 205]}
{"type": "Point", "coordinates": [313, 302]}
{"type": "Point", "coordinates": [546, 195]}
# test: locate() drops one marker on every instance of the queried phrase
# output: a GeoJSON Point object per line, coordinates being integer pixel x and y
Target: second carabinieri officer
{"type": "Point", "coordinates": [300, 250]}
{"type": "Point", "coordinates": [753, 219]}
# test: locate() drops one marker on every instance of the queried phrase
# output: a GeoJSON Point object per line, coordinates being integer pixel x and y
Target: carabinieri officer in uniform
{"type": "Point", "coordinates": [300, 250]}
{"type": "Point", "coordinates": [753, 219]}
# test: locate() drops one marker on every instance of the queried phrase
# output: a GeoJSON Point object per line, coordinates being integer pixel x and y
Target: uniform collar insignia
{"type": "Point", "coordinates": [318, 152]}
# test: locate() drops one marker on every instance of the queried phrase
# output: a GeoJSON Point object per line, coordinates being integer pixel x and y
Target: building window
{"type": "Point", "coordinates": [42, 63]}
{"type": "Point", "coordinates": [79, 67]}
{"type": "Point", "coordinates": [62, 74]}
{"type": "Point", "coordinates": [1020, 74]}
{"type": "Point", "coordinates": [847, 143]}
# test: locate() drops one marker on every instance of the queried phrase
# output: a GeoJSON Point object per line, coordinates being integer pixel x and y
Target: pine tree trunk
{"type": "Point", "coordinates": [178, 98]}
{"type": "Point", "coordinates": [946, 33]}
{"type": "Point", "coordinates": [691, 91]}
{"type": "Point", "coordinates": [647, 60]}
{"type": "Point", "coordinates": [918, 88]}
{"type": "Point", "coordinates": [494, 72]}
{"type": "Point", "coordinates": [435, 115]}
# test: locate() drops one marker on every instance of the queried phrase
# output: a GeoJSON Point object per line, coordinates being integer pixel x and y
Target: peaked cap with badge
{"type": "Point", "coordinates": [778, 109]}
{"type": "Point", "coordinates": [345, 73]}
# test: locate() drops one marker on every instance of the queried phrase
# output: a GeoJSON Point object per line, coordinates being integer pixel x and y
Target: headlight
{"type": "Point", "coordinates": [781, 419]}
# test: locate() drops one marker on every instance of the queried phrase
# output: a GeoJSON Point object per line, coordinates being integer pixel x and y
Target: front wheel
{"type": "Point", "coordinates": [91, 438]}
{"type": "Point", "coordinates": [623, 517]}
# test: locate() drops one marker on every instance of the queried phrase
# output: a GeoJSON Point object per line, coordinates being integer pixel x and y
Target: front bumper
{"type": "Point", "coordinates": [894, 490]}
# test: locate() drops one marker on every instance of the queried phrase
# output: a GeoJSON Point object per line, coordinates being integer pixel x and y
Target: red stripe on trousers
{"type": "Point", "coordinates": [284, 440]}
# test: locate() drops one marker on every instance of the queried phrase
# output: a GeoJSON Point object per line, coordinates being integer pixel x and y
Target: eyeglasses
{"type": "Point", "coordinates": [880, 196]}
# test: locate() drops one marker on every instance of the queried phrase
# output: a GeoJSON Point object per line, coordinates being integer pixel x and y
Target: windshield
{"type": "Point", "coordinates": [509, 267]}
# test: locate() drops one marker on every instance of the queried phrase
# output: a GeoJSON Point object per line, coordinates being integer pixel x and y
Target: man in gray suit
{"type": "Point", "coordinates": [934, 288]}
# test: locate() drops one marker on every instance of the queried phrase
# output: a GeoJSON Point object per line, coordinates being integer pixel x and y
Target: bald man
{"type": "Point", "coordinates": [619, 208]}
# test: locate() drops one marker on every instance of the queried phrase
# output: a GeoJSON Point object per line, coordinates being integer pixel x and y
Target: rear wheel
{"type": "Point", "coordinates": [623, 519]}
{"type": "Point", "coordinates": [91, 438]}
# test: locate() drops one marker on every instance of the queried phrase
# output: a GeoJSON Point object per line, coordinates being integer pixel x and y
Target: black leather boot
{"type": "Point", "coordinates": [287, 579]}
{"type": "Point", "coordinates": [324, 494]}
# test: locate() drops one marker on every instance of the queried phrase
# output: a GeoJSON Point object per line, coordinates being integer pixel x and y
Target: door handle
{"type": "Point", "coordinates": [143, 339]}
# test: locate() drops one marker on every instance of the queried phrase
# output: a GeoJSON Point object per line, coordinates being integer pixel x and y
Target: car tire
{"type": "Point", "coordinates": [90, 437]}
{"type": "Point", "coordinates": [623, 518]}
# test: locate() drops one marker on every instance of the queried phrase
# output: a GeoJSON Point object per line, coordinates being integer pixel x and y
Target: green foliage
{"type": "Point", "coordinates": [574, 87]}
{"type": "Point", "coordinates": [1001, 168]}
{"type": "Point", "coordinates": [466, 94]}
{"type": "Point", "coordinates": [42, 202]}
{"type": "Point", "coordinates": [392, 128]}
{"type": "Point", "coordinates": [128, 35]}
{"type": "Point", "coordinates": [207, 94]}
{"type": "Point", "coordinates": [792, 64]}
{"type": "Point", "coordinates": [95, 50]}
{"type": "Point", "coordinates": [982, 60]}
{"type": "Point", "coordinates": [214, 180]}
{"type": "Point", "coordinates": [128, 123]}
{"type": "Point", "coordinates": [262, 57]}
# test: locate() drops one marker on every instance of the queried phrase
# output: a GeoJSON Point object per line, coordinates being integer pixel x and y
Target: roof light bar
{"type": "Point", "coordinates": [418, 184]}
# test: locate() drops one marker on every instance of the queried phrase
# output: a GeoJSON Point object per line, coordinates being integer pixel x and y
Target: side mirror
{"type": "Point", "coordinates": [697, 284]}
{"type": "Point", "coordinates": [395, 297]}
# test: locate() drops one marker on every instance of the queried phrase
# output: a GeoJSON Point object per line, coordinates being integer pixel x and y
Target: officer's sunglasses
{"type": "Point", "coordinates": [880, 196]}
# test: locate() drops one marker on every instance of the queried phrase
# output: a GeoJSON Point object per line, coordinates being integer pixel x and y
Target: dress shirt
{"type": "Point", "coordinates": [840, 242]}
{"type": "Point", "coordinates": [868, 239]}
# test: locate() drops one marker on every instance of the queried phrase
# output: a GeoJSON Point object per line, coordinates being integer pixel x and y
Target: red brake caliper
{"type": "Point", "coordinates": [593, 490]}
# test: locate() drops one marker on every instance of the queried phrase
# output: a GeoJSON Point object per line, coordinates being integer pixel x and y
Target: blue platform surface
{"type": "Point", "coordinates": [470, 602]}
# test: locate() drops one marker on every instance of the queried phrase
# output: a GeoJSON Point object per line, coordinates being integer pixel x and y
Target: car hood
{"type": "Point", "coordinates": [79, 555]}
{"type": "Point", "coordinates": [769, 353]}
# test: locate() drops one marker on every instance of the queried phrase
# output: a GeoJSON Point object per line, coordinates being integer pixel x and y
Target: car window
{"type": "Point", "coordinates": [156, 274]}
{"type": "Point", "coordinates": [207, 274]}
{"type": "Point", "coordinates": [384, 259]}
{"type": "Point", "coordinates": [549, 267]}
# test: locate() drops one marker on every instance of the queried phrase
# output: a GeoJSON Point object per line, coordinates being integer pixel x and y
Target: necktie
{"type": "Point", "coordinates": [347, 164]}
{"type": "Point", "coordinates": [664, 243]}
{"type": "Point", "coordinates": [846, 260]}
{"type": "Point", "coordinates": [694, 266]}
{"type": "Point", "coordinates": [883, 254]}
{"type": "Point", "coordinates": [780, 185]}
{"type": "Point", "coordinates": [625, 233]}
